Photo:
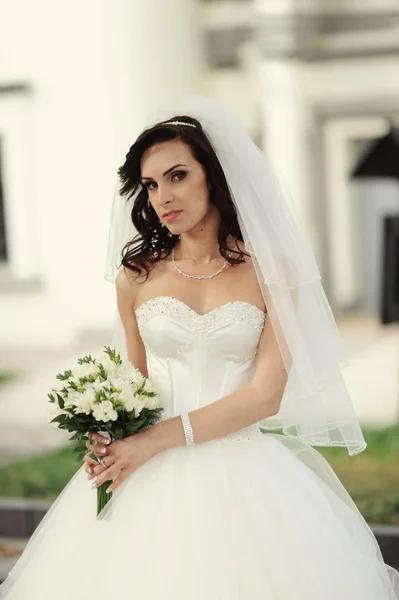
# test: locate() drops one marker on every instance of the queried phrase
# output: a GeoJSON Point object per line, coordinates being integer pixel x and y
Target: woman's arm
{"type": "Point", "coordinates": [126, 292]}
{"type": "Point", "coordinates": [259, 399]}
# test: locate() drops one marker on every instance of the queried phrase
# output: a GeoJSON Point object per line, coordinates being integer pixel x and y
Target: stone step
{"type": "Point", "coordinates": [19, 517]}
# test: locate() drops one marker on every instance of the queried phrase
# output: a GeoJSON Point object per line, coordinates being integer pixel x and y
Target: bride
{"type": "Point", "coordinates": [222, 307]}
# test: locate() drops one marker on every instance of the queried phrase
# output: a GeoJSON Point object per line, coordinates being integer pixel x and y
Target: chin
{"type": "Point", "coordinates": [174, 230]}
{"type": "Point", "coordinates": [177, 229]}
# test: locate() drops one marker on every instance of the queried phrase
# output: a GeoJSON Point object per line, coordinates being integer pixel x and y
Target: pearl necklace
{"type": "Point", "coordinates": [198, 276]}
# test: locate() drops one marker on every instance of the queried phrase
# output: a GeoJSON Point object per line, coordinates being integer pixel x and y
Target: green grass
{"type": "Point", "coordinates": [5, 377]}
{"type": "Point", "coordinates": [371, 478]}
{"type": "Point", "coordinates": [39, 477]}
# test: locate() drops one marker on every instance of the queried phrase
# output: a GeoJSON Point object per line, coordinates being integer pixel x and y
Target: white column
{"type": "Point", "coordinates": [153, 55]}
{"type": "Point", "coordinates": [284, 110]}
{"type": "Point", "coordinates": [96, 68]}
{"type": "Point", "coordinates": [284, 124]}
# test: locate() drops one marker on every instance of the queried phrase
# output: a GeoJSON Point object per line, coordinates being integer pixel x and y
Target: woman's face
{"type": "Point", "coordinates": [176, 185]}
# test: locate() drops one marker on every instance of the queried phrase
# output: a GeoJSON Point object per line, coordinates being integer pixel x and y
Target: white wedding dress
{"type": "Point", "coordinates": [248, 517]}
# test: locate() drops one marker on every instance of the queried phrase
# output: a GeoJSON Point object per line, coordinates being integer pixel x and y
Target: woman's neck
{"type": "Point", "coordinates": [200, 250]}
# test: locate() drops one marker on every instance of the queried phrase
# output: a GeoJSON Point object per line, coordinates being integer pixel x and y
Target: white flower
{"type": "Point", "coordinates": [104, 411]}
{"type": "Point", "coordinates": [129, 373]}
{"type": "Point", "coordinates": [71, 399]}
{"type": "Point", "coordinates": [98, 385]}
{"type": "Point", "coordinates": [148, 387]}
{"type": "Point", "coordinates": [84, 370]}
{"type": "Point", "coordinates": [84, 402]}
{"type": "Point", "coordinates": [128, 398]}
{"type": "Point", "coordinates": [152, 402]}
{"type": "Point", "coordinates": [125, 396]}
{"type": "Point", "coordinates": [148, 401]}
{"type": "Point", "coordinates": [117, 382]}
{"type": "Point", "coordinates": [109, 366]}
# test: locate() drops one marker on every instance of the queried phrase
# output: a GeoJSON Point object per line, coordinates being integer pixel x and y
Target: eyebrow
{"type": "Point", "coordinates": [168, 170]}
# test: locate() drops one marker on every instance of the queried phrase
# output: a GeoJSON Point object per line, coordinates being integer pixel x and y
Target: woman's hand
{"type": "Point", "coordinates": [94, 467]}
{"type": "Point", "coordinates": [120, 458]}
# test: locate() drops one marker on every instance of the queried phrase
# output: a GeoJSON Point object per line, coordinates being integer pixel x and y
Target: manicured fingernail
{"type": "Point", "coordinates": [108, 490]}
{"type": "Point", "coordinates": [107, 442]}
{"type": "Point", "coordinates": [93, 486]}
{"type": "Point", "coordinates": [103, 450]}
{"type": "Point", "coordinates": [90, 471]}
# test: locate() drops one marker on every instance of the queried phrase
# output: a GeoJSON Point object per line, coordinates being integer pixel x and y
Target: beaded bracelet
{"type": "Point", "coordinates": [188, 430]}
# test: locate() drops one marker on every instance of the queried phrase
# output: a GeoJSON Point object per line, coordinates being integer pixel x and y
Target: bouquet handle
{"type": "Point", "coordinates": [102, 497]}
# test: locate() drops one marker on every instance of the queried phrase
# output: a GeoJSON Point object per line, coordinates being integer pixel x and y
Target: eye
{"type": "Point", "coordinates": [178, 175]}
{"type": "Point", "coordinates": [150, 185]}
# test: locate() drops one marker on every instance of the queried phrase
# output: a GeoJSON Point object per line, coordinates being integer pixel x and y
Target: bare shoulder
{"type": "Point", "coordinates": [127, 287]}
{"type": "Point", "coordinates": [126, 281]}
{"type": "Point", "coordinates": [128, 284]}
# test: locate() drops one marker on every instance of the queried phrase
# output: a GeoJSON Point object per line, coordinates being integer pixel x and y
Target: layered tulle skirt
{"type": "Point", "coordinates": [257, 517]}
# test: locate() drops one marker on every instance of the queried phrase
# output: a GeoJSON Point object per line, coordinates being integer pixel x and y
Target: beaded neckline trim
{"type": "Point", "coordinates": [157, 299]}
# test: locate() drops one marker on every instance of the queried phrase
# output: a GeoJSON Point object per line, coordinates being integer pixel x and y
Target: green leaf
{"type": "Point", "coordinates": [113, 355]}
{"type": "Point", "coordinates": [140, 422]}
{"type": "Point", "coordinates": [117, 432]}
{"type": "Point", "coordinates": [64, 376]}
{"type": "Point", "coordinates": [61, 401]}
{"type": "Point", "coordinates": [79, 458]}
{"type": "Point", "coordinates": [86, 360]}
{"type": "Point", "coordinates": [58, 419]}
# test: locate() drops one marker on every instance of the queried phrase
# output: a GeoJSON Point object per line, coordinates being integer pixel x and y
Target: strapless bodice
{"type": "Point", "coordinates": [195, 359]}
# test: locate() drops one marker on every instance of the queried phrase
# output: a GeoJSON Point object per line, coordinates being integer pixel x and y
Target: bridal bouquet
{"type": "Point", "coordinates": [107, 396]}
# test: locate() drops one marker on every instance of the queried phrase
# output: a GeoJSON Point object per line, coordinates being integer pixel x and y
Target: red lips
{"type": "Point", "coordinates": [170, 212]}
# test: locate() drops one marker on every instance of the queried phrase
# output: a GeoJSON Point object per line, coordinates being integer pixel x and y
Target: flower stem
{"type": "Point", "coordinates": [102, 497]}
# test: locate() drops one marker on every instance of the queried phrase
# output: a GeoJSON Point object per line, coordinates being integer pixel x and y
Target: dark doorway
{"type": "Point", "coordinates": [3, 240]}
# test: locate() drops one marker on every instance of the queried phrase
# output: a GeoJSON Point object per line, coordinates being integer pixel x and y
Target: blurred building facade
{"type": "Point", "coordinates": [312, 81]}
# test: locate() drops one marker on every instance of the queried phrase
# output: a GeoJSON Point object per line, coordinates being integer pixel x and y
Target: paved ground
{"type": "Point", "coordinates": [372, 378]}
{"type": "Point", "coordinates": [10, 551]}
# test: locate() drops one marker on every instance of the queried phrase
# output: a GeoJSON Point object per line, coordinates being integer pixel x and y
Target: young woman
{"type": "Point", "coordinates": [222, 307]}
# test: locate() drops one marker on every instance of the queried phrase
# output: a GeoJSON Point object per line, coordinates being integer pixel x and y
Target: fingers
{"type": "Point", "coordinates": [99, 445]}
{"type": "Point", "coordinates": [90, 465]}
{"type": "Point", "coordinates": [118, 481]}
{"type": "Point", "coordinates": [107, 474]}
{"type": "Point", "coordinates": [89, 460]}
{"type": "Point", "coordinates": [95, 467]}
{"type": "Point", "coordinates": [94, 471]}
{"type": "Point", "coordinates": [99, 438]}
{"type": "Point", "coordinates": [98, 480]}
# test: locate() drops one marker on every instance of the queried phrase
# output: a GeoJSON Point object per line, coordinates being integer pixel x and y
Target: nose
{"type": "Point", "coordinates": [164, 196]}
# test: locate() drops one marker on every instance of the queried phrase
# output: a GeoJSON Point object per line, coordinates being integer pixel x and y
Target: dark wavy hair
{"type": "Point", "coordinates": [154, 241]}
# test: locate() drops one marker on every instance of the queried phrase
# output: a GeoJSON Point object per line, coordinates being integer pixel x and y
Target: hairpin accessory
{"type": "Point", "coordinates": [180, 123]}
